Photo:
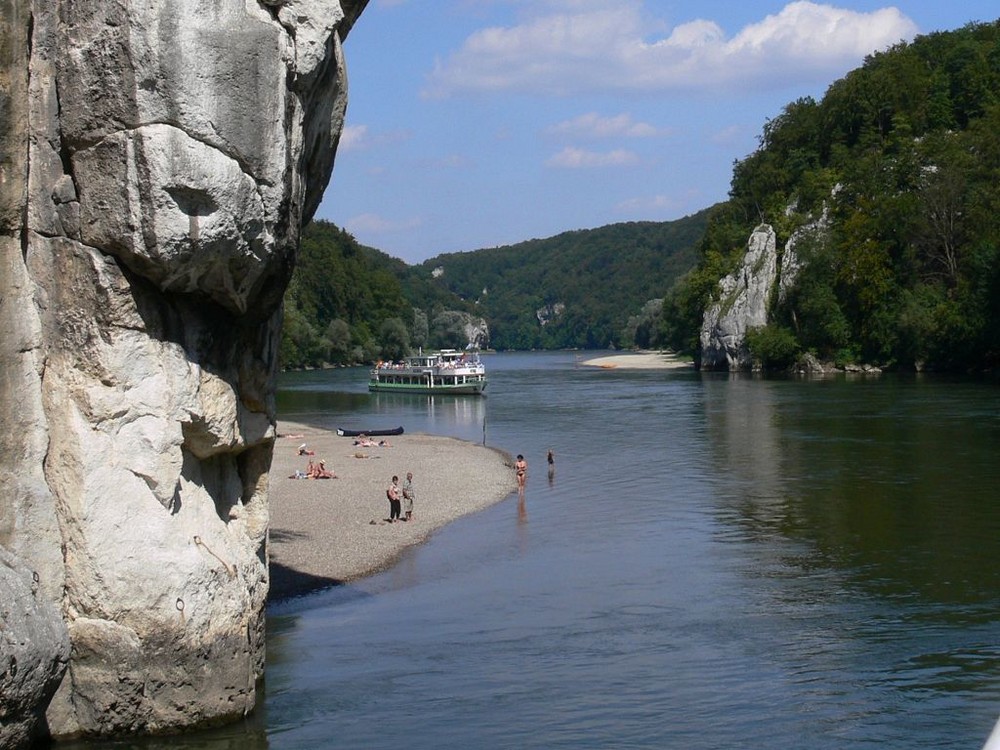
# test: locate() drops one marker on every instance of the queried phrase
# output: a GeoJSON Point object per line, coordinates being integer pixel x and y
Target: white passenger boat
{"type": "Point", "coordinates": [447, 371]}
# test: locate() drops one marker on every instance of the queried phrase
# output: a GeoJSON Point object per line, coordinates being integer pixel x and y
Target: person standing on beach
{"type": "Point", "coordinates": [408, 495]}
{"type": "Point", "coordinates": [521, 470]}
{"type": "Point", "coordinates": [392, 492]}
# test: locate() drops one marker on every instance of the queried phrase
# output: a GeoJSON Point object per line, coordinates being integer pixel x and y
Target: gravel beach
{"type": "Point", "coordinates": [329, 531]}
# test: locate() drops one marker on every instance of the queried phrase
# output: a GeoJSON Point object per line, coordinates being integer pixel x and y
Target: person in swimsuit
{"type": "Point", "coordinates": [521, 470]}
{"type": "Point", "coordinates": [393, 493]}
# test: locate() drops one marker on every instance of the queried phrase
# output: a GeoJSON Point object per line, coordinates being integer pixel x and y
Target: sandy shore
{"type": "Point", "coordinates": [329, 531]}
{"type": "Point", "coordinates": [644, 360]}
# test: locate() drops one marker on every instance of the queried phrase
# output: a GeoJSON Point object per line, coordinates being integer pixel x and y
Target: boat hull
{"type": "Point", "coordinates": [462, 389]}
{"type": "Point", "coordinates": [370, 433]}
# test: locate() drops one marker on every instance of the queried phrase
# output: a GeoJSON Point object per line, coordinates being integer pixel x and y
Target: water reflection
{"type": "Point", "coordinates": [437, 412]}
{"type": "Point", "coordinates": [869, 532]}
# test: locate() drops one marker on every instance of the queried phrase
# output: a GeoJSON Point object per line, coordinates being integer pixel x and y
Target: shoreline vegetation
{"type": "Point", "coordinates": [326, 532]}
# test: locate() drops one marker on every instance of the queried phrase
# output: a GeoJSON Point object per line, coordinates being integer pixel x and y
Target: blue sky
{"type": "Point", "coordinates": [475, 123]}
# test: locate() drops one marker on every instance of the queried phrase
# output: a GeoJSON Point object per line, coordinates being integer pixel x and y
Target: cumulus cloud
{"type": "Point", "coordinates": [592, 125]}
{"type": "Point", "coordinates": [604, 46]}
{"type": "Point", "coordinates": [578, 158]}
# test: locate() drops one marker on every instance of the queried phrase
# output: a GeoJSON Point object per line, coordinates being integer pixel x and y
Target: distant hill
{"type": "Point", "coordinates": [574, 290]}
{"type": "Point", "coordinates": [348, 303]}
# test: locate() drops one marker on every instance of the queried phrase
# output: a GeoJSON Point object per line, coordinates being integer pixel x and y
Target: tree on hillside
{"type": "Point", "coordinates": [902, 159]}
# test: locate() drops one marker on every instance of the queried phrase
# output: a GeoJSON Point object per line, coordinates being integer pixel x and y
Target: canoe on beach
{"type": "Point", "coordinates": [370, 433]}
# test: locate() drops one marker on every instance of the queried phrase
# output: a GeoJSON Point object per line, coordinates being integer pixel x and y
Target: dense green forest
{"type": "Point", "coordinates": [347, 303]}
{"type": "Point", "coordinates": [902, 156]}
{"type": "Point", "coordinates": [584, 289]}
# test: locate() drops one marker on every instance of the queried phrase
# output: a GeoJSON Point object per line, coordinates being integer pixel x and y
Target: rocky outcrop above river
{"type": "Point", "coordinates": [766, 275]}
{"type": "Point", "coordinates": [157, 162]}
{"type": "Point", "coordinates": [742, 305]}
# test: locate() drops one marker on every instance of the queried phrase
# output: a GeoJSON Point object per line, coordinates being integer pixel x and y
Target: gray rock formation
{"type": "Point", "coordinates": [156, 164]}
{"type": "Point", "coordinates": [741, 306]}
{"type": "Point", "coordinates": [34, 649]}
{"type": "Point", "coordinates": [477, 333]}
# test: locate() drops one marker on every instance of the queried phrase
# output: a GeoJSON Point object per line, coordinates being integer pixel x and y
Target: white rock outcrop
{"type": "Point", "coordinates": [157, 161]}
{"type": "Point", "coordinates": [741, 306]}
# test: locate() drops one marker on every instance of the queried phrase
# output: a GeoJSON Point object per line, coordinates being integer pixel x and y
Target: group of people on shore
{"type": "Point", "coordinates": [315, 470]}
{"type": "Point", "coordinates": [401, 498]}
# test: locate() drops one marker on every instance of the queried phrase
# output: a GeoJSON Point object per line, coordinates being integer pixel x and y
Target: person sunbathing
{"type": "Point", "coordinates": [323, 473]}
{"type": "Point", "coordinates": [304, 451]}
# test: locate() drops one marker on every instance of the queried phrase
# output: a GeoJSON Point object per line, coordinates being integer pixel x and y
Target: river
{"type": "Point", "coordinates": [717, 561]}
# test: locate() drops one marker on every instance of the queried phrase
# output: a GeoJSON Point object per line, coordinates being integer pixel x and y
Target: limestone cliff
{"type": "Point", "coordinates": [741, 306]}
{"type": "Point", "coordinates": [156, 164]}
{"type": "Point", "coordinates": [744, 298]}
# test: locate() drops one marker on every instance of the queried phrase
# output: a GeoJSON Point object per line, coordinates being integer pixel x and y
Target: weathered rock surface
{"type": "Point", "coordinates": [34, 649]}
{"type": "Point", "coordinates": [477, 333]}
{"type": "Point", "coordinates": [157, 161]}
{"type": "Point", "coordinates": [742, 305]}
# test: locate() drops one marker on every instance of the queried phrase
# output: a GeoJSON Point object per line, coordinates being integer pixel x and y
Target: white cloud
{"type": "Point", "coordinates": [592, 125]}
{"type": "Point", "coordinates": [359, 137]}
{"type": "Point", "coordinates": [577, 158]}
{"type": "Point", "coordinates": [604, 46]}
{"type": "Point", "coordinates": [352, 137]}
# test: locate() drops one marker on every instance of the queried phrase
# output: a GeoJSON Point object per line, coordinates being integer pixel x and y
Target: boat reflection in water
{"type": "Point", "coordinates": [456, 416]}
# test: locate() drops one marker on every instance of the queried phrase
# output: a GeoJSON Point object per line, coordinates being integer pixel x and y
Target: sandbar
{"type": "Point", "coordinates": [325, 532]}
{"type": "Point", "coordinates": [641, 360]}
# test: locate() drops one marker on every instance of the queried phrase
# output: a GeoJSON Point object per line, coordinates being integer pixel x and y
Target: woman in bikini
{"type": "Point", "coordinates": [521, 470]}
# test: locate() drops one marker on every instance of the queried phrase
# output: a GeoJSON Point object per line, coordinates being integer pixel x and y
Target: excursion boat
{"type": "Point", "coordinates": [447, 371]}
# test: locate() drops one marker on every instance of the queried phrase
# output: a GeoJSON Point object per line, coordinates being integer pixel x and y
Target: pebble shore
{"type": "Point", "coordinates": [324, 532]}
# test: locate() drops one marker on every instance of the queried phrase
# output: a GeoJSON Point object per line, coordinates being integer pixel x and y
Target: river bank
{"type": "Point", "coordinates": [330, 531]}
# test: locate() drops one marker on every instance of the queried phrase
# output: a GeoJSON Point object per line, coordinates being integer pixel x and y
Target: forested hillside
{"type": "Point", "coordinates": [902, 158]}
{"type": "Point", "coordinates": [347, 303]}
{"type": "Point", "coordinates": [583, 289]}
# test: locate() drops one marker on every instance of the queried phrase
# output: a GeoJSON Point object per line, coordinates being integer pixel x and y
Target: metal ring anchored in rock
{"type": "Point", "coordinates": [180, 607]}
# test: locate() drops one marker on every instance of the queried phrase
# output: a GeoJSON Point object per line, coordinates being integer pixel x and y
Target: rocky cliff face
{"type": "Point", "coordinates": [156, 165]}
{"type": "Point", "coordinates": [742, 305]}
{"type": "Point", "coordinates": [745, 296]}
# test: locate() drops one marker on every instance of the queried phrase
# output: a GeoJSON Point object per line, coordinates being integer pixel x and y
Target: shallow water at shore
{"type": "Point", "coordinates": [717, 562]}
